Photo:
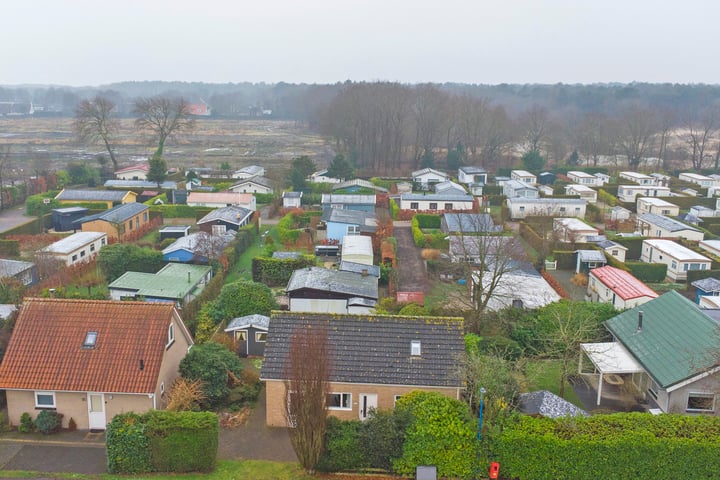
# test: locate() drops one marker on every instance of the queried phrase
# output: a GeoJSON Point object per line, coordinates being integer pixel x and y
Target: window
{"type": "Point", "coordinates": [130, 225]}
{"type": "Point", "coordinates": [74, 258]}
{"type": "Point", "coordinates": [673, 265]}
{"type": "Point", "coordinates": [90, 340]}
{"type": "Point", "coordinates": [171, 334]}
{"type": "Point", "coordinates": [448, 206]}
{"type": "Point", "coordinates": [82, 254]}
{"type": "Point", "coordinates": [339, 401]}
{"type": "Point", "coordinates": [92, 247]}
{"type": "Point", "coordinates": [44, 400]}
{"type": "Point", "coordinates": [415, 348]}
{"type": "Point", "coordinates": [397, 397]}
{"type": "Point", "coordinates": [577, 209]}
{"type": "Point", "coordinates": [414, 205]}
{"type": "Point", "coordinates": [653, 389]}
{"type": "Point", "coordinates": [522, 209]}
{"type": "Point", "coordinates": [218, 229]}
{"type": "Point", "coordinates": [144, 216]}
{"type": "Point", "coordinates": [658, 233]}
{"type": "Point", "coordinates": [666, 212]}
{"type": "Point", "coordinates": [137, 222]}
{"type": "Point", "coordinates": [102, 241]}
{"type": "Point", "coordinates": [562, 209]}
{"type": "Point", "coordinates": [433, 206]}
{"type": "Point", "coordinates": [700, 402]}
{"type": "Point", "coordinates": [614, 253]}
{"type": "Point", "coordinates": [261, 337]}
{"type": "Point", "coordinates": [353, 230]}
{"type": "Point", "coordinates": [162, 388]}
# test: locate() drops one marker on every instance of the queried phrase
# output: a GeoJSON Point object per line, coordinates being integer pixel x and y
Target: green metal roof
{"type": "Point", "coordinates": [677, 340]}
{"type": "Point", "coordinates": [173, 281]}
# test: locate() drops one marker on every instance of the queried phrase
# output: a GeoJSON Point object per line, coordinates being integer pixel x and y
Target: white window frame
{"type": "Point", "coordinates": [395, 399]}
{"type": "Point", "coordinates": [51, 394]}
{"type": "Point", "coordinates": [415, 348]}
{"type": "Point", "coordinates": [171, 334]}
{"type": "Point", "coordinates": [258, 336]}
{"type": "Point", "coordinates": [700, 395]}
{"type": "Point", "coordinates": [345, 401]}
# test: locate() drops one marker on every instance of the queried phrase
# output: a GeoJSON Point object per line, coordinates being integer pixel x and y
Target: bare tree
{"type": "Point", "coordinates": [5, 165]}
{"type": "Point", "coordinates": [635, 129]}
{"type": "Point", "coordinates": [592, 136]}
{"type": "Point", "coordinates": [699, 132]}
{"type": "Point", "coordinates": [94, 123]}
{"type": "Point", "coordinates": [535, 124]}
{"type": "Point", "coordinates": [430, 112]}
{"type": "Point", "coordinates": [306, 388]}
{"type": "Point", "coordinates": [164, 117]}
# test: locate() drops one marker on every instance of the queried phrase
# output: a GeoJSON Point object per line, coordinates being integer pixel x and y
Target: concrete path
{"type": "Point", "coordinates": [13, 217]}
{"type": "Point", "coordinates": [65, 452]}
{"type": "Point", "coordinates": [412, 276]}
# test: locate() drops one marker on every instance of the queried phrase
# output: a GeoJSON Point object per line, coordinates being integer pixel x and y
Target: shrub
{"type": "Point", "coordinates": [382, 436]}
{"type": "Point", "coordinates": [215, 366]}
{"type": "Point", "coordinates": [343, 450]}
{"type": "Point", "coordinates": [127, 445]}
{"type": "Point", "coordinates": [182, 441]}
{"type": "Point", "coordinates": [185, 395]}
{"type": "Point", "coordinates": [26, 423]}
{"type": "Point", "coordinates": [277, 271]}
{"type": "Point", "coordinates": [72, 426]}
{"type": "Point", "coordinates": [500, 346]}
{"type": "Point", "coordinates": [48, 421]}
{"type": "Point", "coordinates": [440, 433]}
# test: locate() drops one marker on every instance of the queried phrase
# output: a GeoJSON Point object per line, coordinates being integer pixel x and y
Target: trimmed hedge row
{"type": "Point", "coordinates": [180, 211]}
{"type": "Point", "coordinates": [565, 259]}
{"type": "Point", "coordinates": [275, 272]}
{"type": "Point", "coordinates": [162, 441]}
{"type": "Point", "coordinates": [629, 446]}
{"type": "Point", "coordinates": [9, 248]}
{"type": "Point", "coordinates": [648, 272]}
{"type": "Point", "coordinates": [694, 275]}
{"type": "Point", "coordinates": [423, 240]}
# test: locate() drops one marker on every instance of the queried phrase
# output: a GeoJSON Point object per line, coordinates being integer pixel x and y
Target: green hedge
{"type": "Point", "coordinates": [127, 445]}
{"type": "Point", "coordinates": [634, 446]}
{"type": "Point", "coordinates": [9, 248]}
{"type": "Point", "coordinates": [264, 198]}
{"type": "Point", "coordinates": [633, 244]}
{"type": "Point", "coordinates": [394, 209]}
{"type": "Point", "coordinates": [180, 211]}
{"type": "Point", "coordinates": [425, 240]}
{"type": "Point", "coordinates": [495, 200]}
{"type": "Point", "coordinates": [275, 272]}
{"type": "Point", "coordinates": [287, 233]}
{"type": "Point", "coordinates": [426, 220]}
{"type": "Point", "coordinates": [162, 441]}
{"type": "Point", "coordinates": [182, 441]}
{"type": "Point", "coordinates": [31, 227]}
{"type": "Point", "coordinates": [343, 450]}
{"type": "Point", "coordinates": [492, 190]}
{"type": "Point", "coordinates": [648, 272]}
{"type": "Point", "coordinates": [607, 198]}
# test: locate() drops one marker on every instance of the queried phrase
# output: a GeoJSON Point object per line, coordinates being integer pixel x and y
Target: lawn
{"type": "Point", "coordinates": [448, 294]}
{"type": "Point", "coordinates": [545, 375]}
{"type": "Point", "coordinates": [242, 270]}
{"type": "Point", "coordinates": [225, 470]}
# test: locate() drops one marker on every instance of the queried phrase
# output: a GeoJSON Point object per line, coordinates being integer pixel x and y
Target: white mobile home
{"type": "Point", "coordinates": [679, 259]}
{"type": "Point", "coordinates": [656, 205]}
{"type": "Point", "coordinates": [617, 287]}
{"type": "Point", "coordinates": [628, 193]}
{"type": "Point", "coordinates": [436, 202]}
{"type": "Point", "coordinates": [573, 230]}
{"type": "Point", "coordinates": [583, 191]}
{"type": "Point", "coordinates": [583, 178]}
{"type": "Point", "coordinates": [639, 178]}
{"type": "Point", "coordinates": [78, 247]}
{"type": "Point", "coordinates": [653, 225]}
{"type": "Point", "coordinates": [523, 176]}
{"type": "Point", "coordinates": [548, 207]}
{"type": "Point", "coordinates": [516, 188]}
{"type": "Point", "coordinates": [697, 179]}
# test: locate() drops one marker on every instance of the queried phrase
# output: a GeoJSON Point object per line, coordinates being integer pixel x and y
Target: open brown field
{"type": "Point", "coordinates": [272, 143]}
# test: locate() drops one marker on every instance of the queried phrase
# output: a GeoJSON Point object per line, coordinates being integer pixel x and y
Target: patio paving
{"type": "Point", "coordinates": [615, 398]}
{"type": "Point", "coordinates": [564, 277]}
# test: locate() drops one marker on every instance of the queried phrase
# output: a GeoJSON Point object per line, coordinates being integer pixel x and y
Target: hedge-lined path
{"type": "Point", "coordinates": [412, 276]}
{"type": "Point", "coordinates": [12, 217]}
{"type": "Point", "coordinates": [256, 441]}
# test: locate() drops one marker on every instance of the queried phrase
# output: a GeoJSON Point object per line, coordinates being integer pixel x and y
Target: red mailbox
{"type": "Point", "coordinates": [494, 470]}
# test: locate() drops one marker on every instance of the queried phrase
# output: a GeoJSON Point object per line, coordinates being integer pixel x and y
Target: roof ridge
{"type": "Point", "coordinates": [367, 317]}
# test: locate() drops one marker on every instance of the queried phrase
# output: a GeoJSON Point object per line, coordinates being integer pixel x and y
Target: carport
{"type": "Point", "coordinates": [610, 360]}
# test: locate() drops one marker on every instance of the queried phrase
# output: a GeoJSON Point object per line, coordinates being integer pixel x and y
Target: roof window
{"type": "Point", "coordinates": [415, 348]}
{"type": "Point", "coordinates": [90, 339]}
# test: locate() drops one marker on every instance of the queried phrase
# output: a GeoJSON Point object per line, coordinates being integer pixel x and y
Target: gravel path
{"type": "Point", "coordinates": [412, 276]}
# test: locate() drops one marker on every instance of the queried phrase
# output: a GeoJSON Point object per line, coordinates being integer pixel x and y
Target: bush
{"type": "Point", "coordinates": [648, 272]}
{"type": "Point", "coordinates": [500, 346]}
{"type": "Point", "coordinates": [343, 450]}
{"type": "Point", "coordinates": [182, 441]}
{"type": "Point", "coordinates": [215, 366]}
{"type": "Point", "coordinates": [48, 421]}
{"type": "Point", "coordinates": [382, 436]}
{"type": "Point", "coordinates": [127, 445]}
{"type": "Point", "coordinates": [277, 271]}
{"type": "Point", "coordinates": [26, 423]}
{"type": "Point", "coordinates": [641, 446]}
{"type": "Point", "coordinates": [116, 259]}
{"type": "Point", "coordinates": [441, 433]}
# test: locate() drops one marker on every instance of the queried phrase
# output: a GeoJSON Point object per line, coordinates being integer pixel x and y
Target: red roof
{"type": "Point", "coordinates": [46, 348]}
{"type": "Point", "coordinates": [141, 166]}
{"type": "Point", "coordinates": [622, 283]}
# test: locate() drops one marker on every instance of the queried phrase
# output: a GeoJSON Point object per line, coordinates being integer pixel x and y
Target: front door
{"type": "Point", "coordinates": [241, 336]}
{"type": "Point", "coordinates": [96, 411]}
{"type": "Point", "coordinates": [368, 402]}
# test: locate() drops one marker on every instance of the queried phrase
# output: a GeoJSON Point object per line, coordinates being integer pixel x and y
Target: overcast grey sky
{"type": "Point", "coordinates": [95, 42]}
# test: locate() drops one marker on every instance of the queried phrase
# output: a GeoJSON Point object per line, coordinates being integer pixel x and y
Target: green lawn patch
{"type": "Point", "coordinates": [447, 294]}
{"type": "Point", "coordinates": [545, 375]}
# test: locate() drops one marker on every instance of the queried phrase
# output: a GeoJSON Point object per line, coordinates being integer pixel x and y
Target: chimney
{"type": "Point", "coordinates": [364, 272]}
{"type": "Point", "coordinates": [640, 320]}
{"type": "Point", "coordinates": [142, 365]}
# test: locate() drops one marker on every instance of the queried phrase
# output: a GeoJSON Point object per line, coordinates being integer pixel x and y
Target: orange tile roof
{"type": "Point", "coordinates": [46, 348]}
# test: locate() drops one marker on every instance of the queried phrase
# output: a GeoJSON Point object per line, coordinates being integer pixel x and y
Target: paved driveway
{"type": "Point", "coordinates": [13, 217]}
{"type": "Point", "coordinates": [412, 276]}
{"type": "Point", "coordinates": [53, 458]}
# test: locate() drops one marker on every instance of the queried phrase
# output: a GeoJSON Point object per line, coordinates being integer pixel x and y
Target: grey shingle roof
{"type": "Point", "coordinates": [201, 243]}
{"type": "Point", "coordinates": [470, 223]}
{"type": "Point", "coordinates": [286, 255]}
{"type": "Point", "coordinates": [355, 267]}
{"type": "Point", "coordinates": [358, 182]}
{"type": "Point", "coordinates": [707, 284]}
{"type": "Point", "coordinates": [258, 321]}
{"type": "Point", "coordinates": [349, 283]}
{"type": "Point", "coordinates": [591, 256]}
{"type": "Point", "coordinates": [292, 194]}
{"type": "Point", "coordinates": [547, 404]}
{"type": "Point", "coordinates": [666, 223]}
{"type": "Point", "coordinates": [10, 268]}
{"type": "Point", "coordinates": [116, 214]}
{"type": "Point", "coordinates": [374, 349]}
{"type": "Point", "coordinates": [91, 195]}
{"type": "Point", "coordinates": [265, 182]}
{"type": "Point", "coordinates": [348, 199]}
{"type": "Point", "coordinates": [232, 214]}
{"type": "Point", "coordinates": [470, 170]}
{"type": "Point", "coordinates": [365, 220]}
